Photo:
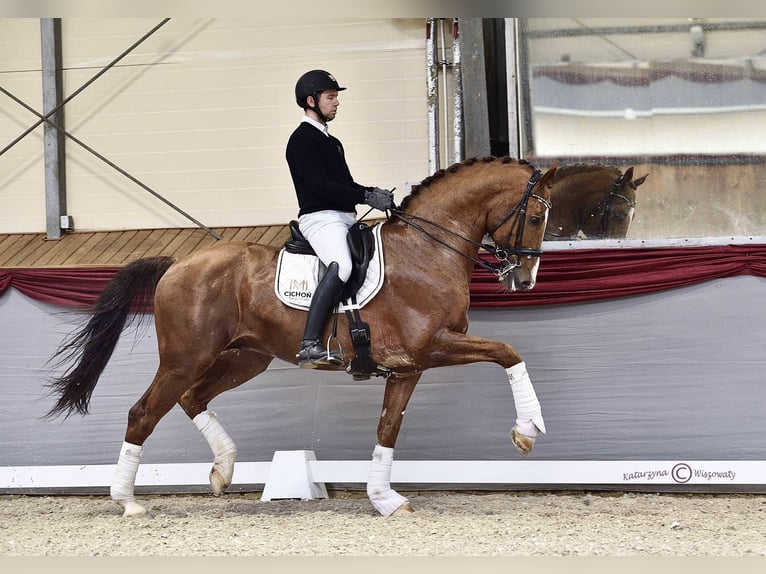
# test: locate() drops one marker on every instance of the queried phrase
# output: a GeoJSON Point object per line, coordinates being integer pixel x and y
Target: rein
{"type": "Point", "coordinates": [500, 253]}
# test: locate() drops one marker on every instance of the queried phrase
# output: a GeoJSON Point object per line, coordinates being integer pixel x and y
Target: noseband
{"type": "Point", "coordinates": [603, 223]}
{"type": "Point", "coordinates": [502, 254]}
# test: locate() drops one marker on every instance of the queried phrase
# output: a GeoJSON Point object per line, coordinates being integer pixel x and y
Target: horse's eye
{"type": "Point", "coordinates": [536, 220]}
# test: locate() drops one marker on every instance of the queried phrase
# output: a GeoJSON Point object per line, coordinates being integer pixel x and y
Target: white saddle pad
{"type": "Point", "coordinates": [298, 275]}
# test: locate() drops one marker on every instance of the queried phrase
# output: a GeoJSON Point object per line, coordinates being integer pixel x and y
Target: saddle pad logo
{"type": "Point", "coordinates": [298, 275]}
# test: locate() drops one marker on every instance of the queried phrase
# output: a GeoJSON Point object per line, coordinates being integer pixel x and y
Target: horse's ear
{"type": "Point", "coordinates": [629, 173]}
{"type": "Point", "coordinates": [640, 180]}
{"type": "Point", "coordinates": [547, 178]}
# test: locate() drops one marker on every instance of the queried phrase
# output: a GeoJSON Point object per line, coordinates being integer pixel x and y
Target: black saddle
{"type": "Point", "coordinates": [297, 243]}
{"type": "Point", "coordinates": [361, 243]}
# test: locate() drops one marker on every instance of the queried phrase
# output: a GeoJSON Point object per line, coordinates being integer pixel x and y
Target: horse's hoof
{"type": "Point", "coordinates": [522, 442]}
{"type": "Point", "coordinates": [218, 483]}
{"type": "Point", "coordinates": [405, 508]}
{"type": "Point", "coordinates": [132, 508]}
{"type": "Point", "coordinates": [222, 472]}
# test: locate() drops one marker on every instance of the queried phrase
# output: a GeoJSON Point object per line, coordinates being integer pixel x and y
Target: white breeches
{"type": "Point", "coordinates": [326, 231]}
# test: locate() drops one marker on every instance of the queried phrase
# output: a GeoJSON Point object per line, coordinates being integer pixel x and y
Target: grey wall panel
{"type": "Point", "coordinates": [678, 374]}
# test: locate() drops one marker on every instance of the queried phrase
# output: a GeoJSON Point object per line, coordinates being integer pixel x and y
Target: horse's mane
{"type": "Point", "coordinates": [575, 168]}
{"type": "Point", "coordinates": [416, 189]}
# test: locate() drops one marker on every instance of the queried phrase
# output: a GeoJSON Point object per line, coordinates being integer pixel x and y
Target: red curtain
{"type": "Point", "coordinates": [70, 287]}
{"type": "Point", "coordinates": [592, 274]}
{"type": "Point", "coordinates": [564, 276]}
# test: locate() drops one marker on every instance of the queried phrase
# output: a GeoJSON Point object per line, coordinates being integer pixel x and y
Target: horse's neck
{"type": "Point", "coordinates": [441, 235]}
{"type": "Point", "coordinates": [458, 204]}
{"type": "Point", "coordinates": [459, 223]}
{"type": "Point", "coordinates": [578, 193]}
{"type": "Point", "coordinates": [414, 253]}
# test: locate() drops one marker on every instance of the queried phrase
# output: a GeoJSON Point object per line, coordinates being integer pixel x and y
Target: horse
{"type": "Point", "coordinates": [596, 200]}
{"type": "Point", "coordinates": [216, 314]}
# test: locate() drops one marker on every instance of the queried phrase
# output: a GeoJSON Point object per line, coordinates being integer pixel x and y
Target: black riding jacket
{"type": "Point", "coordinates": [320, 174]}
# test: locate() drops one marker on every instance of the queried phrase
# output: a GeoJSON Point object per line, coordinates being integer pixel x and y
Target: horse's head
{"type": "Point", "coordinates": [518, 229]}
{"type": "Point", "coordinates": [611, 216]}
{"type": "Point", "coordinates": [597, 201]}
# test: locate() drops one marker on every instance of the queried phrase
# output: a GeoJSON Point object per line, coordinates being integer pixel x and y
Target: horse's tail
{"type": "Point", "coordinates": [92, 346]}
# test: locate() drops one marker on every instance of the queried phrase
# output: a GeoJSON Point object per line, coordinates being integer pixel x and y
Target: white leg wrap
{"type": "Point", "coordinates": [216, 436]}
{"type": "Point", "coordinates": [529, 416]}
{"type": "Point", "coordinates": [383, 497]}
{"type": "Point", "coordinates": [125, 476]}
{"type": "Point", "coordinates": [224, 450]}
{"type": "Point", "coordinates": [124, 481]}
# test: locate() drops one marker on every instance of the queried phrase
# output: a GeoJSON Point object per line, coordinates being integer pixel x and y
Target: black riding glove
{"type": "Point", "coordinates": [382, 199]}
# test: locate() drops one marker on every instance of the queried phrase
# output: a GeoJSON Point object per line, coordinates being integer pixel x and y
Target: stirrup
{"type": "Point", "coordinates": [315, 355]}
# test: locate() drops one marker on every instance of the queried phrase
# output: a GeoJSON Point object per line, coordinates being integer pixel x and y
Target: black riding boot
{"type": "Point", "coordinates": [313, 352]}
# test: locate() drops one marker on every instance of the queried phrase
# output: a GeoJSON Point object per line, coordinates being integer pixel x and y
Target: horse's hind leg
{"type": "Point", "coordinates": [397, 394]}
{"type": "Point", "coordinates": [232, 368]}
{"type": "Point", "coordinates": [159, 398]}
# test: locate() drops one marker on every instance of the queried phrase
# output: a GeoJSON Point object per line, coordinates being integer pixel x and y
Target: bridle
{"type": "Point", "coordinates": [603, 223]}
{"type": "Point", "coordinates": [517, 216]}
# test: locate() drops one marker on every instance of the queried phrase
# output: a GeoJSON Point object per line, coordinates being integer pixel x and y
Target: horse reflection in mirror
{"type": "Point", "coordinates": [592, 201]}
{"type": "Point", "coordinates": [219, 322]}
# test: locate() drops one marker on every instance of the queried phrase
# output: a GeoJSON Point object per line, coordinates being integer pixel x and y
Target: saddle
{"type": "Point", "coordinates": [361, 243]}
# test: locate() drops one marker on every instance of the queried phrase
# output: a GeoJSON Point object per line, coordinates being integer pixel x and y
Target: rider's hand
{"type": "Point", "coordinates": [382, 199]}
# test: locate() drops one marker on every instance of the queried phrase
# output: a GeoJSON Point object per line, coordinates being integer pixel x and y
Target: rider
{"type": "Point", "coordinates": [327, 199]}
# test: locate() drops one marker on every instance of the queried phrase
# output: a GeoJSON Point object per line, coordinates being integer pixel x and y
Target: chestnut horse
{"type": "Point", "coordinates": [596, 200]}
{"type": "Point", "coordinates": [216, 316]}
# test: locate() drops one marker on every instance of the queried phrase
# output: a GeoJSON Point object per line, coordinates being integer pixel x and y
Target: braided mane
{"type": "Point", "coordinates": [575, 168]}
{"type": "Point", "coordinates": [454, 168]}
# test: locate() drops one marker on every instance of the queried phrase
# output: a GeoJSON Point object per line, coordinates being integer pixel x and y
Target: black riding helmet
{"type": "Point", "coordinates": [311, 84]}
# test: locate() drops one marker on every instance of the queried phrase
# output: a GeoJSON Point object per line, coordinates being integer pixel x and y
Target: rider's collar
{"type": "Point", "coordinates": [318, 125]}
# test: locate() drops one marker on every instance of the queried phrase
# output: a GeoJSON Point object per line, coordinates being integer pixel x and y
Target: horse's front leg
{"type": "Point", "coordinates": [529, 416]}
{"type": "Point", "coordinates": [456, 348]}
{"type": "Point", "coordinates": [397, 394]}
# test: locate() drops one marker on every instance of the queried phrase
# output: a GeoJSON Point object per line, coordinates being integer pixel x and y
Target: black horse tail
{"type": "Point", "coordinates": [91, 347]}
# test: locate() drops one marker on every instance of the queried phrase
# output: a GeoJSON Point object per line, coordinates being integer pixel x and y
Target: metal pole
{"type": "Point", "coordinates": [457, 97]}
{"type": "Point", "coordinates": [432, 97]}
{"type": "Point", "coordinates": [53, 139]}
{"type": "Point", "coordinates": [474, 89]}
{"type": "Point", "coordinates": [445, 95]}
{"type": "Point", "coordinates": [523, 102]}
{"type": "Point", "coordinates": [512, 63]}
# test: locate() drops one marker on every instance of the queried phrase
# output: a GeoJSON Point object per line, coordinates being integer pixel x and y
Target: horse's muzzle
{"type": "Point", "coordinates": [520, 279]}
{"type": "Point", "coordinates": [514, 283]}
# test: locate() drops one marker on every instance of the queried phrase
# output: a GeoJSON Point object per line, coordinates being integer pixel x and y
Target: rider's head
{"type": "Point", "coordinates": [317, 91]}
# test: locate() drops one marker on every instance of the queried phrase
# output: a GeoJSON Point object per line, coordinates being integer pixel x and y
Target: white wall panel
{"type": "Point", "coordinates": [22, 183]}
{"type": "Point", "coordinates": [202, 110]}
